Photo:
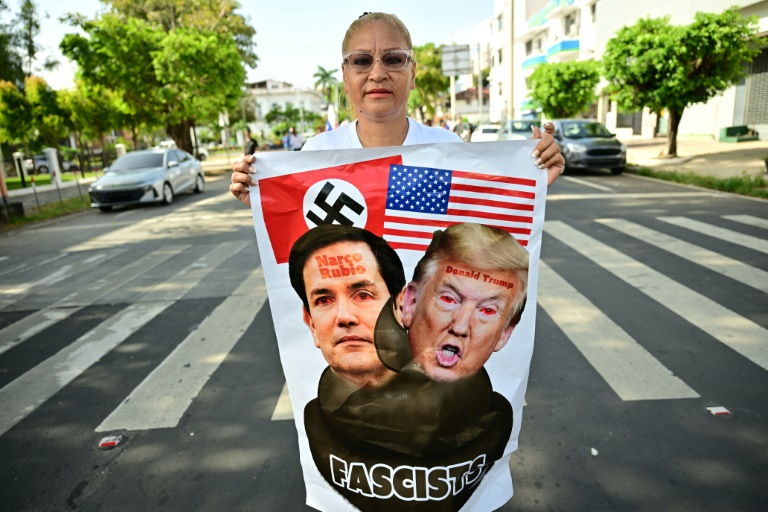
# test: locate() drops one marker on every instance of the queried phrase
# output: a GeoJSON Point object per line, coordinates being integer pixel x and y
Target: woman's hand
{"type": "Point", "coordinates": [242, 179]}
{"type": "Point", "coordinates": [547, 152]}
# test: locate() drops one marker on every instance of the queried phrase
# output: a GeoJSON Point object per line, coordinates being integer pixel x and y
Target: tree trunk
{"type": "Point", "coordinates": [181, 135]}
{"type": "Point", "coordinates": [674, 123]}
{"type": "Point", "coordinates": [134, 135]}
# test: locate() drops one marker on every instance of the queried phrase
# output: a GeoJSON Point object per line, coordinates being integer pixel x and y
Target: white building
{"type": "Point", "coordinates": [269, 94]}
{"type": "Point", "coordinates": [563, 30]}
{"type": "Point", "coordinates": [743, 104]}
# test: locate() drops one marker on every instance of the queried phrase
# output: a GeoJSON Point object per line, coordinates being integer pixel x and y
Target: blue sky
{"type": "Point", "coordinates": [293, 37]}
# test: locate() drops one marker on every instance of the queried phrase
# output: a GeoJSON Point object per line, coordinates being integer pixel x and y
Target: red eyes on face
{"type": "Point", "coordinates": [361, 296]}
{"type": "Point", "coordinates": [447, 299]}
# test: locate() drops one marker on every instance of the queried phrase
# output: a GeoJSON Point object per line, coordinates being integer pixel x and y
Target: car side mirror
{"type": "Point", "coordinates": [173, 163]}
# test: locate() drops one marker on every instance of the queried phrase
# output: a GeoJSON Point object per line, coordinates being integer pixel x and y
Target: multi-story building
{"type": "Point", "coordinates": [542, 31]}
{"type": "Point", "coordinates": [269, 94]}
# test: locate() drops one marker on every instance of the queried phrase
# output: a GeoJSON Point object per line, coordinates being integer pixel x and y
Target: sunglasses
{"type": "Point", "coordinates": [391, 60]}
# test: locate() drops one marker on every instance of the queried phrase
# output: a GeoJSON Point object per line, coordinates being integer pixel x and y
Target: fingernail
{"type": "Point", "coordinates": [548, 123]}
{"type": "Point", "coordinates": [535, 154]}
{"type": "Point", "coordinates": [253, 181]}
{"type": "Point", "coordinates": [251, 169]}
{"type": "Point", "coordinates": [541, 166]}
{"type": "Point", "coordinates": [538, 161]}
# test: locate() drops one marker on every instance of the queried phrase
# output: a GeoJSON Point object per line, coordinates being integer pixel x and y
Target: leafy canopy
{"type": "Point", "coordinates": [564, 89]}
{"type": "Point", "coordinates": [429, 75]}
{"type": "Point", "coordinates": [658, 65]}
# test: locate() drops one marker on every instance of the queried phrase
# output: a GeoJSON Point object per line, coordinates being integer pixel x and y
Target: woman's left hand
{"type": "Point", "coordinates": [547, 152]}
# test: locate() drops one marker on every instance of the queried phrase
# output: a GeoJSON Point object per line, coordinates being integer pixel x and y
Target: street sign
{"type": "Point", "coordinates": [456, 60]}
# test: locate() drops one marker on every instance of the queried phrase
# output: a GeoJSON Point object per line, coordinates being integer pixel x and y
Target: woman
{"type": "Point", "coordinates": [379, 73]}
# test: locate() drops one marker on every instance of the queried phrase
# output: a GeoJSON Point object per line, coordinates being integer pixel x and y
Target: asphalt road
{"type": "Point", "coordinates": [653, 306]}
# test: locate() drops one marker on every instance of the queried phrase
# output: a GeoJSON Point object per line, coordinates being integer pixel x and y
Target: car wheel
{"type": "Point", "coordinates": [105, 208]}
{"type": "Point", "coordinates": [617, 170]}
{"type": "Point", "coordinates": [167, 193]}
{"type": "Point", "coordinates": [201, 157]}
{"type": "Point", "coordinates": [42, 169]}
{"type": "Point", "coordinates": [199, 184]}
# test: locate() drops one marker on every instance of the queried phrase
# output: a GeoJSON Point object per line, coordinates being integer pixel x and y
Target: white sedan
{"type": "Point", "coordinates": [486, 133]}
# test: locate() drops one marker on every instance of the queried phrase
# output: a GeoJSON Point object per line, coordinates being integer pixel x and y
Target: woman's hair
{"type": "Point", "coordinates": [376, 17]}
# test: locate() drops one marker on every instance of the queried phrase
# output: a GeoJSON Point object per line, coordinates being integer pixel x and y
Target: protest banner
{"type": "Point", "coordinates": [397, 280]}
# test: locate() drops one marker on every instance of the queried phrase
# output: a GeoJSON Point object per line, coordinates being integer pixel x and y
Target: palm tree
{"type": "Point", "coordinates": [325, 81]}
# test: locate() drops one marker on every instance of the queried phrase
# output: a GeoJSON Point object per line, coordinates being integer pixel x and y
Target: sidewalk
{"type": "Point", "coordinates": [701, 155]}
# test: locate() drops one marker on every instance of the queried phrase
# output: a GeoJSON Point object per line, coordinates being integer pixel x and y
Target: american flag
{"type": "Point", "coordinates": [421, 200]}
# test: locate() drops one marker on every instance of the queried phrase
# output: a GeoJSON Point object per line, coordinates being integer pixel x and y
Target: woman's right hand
{"type": "Point", "coordinates": [242, 179]}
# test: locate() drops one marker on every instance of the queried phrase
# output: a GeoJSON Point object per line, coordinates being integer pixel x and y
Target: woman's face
{"type": "Point", "coordinates": [378, 93]}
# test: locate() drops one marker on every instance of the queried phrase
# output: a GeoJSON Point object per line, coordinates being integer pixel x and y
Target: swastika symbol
{"type": "Point", "coordinates": [336, 202]}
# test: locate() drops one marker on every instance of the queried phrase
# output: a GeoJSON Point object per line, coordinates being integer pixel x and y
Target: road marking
{"type": "Point", "coordinates": [729, 267]}
{"type": "Point", "coordinates": [739, 333]}
{"type": "Point", "coordinates": [630, 195]}
{"type": "Point", "coordinates": [628, 368]}
{"type": "Point", "coordinates": [283, 410]}
{"type": "Point", "coordinates": [164, 396]}
{"type": "Point", "coordinates": [20, 331]}
{"type": "Point", "coordinates": [3, 258]}
{"type": "Point", "coordinates": [747, 241]}
{"type": "Point", "coordinates": [64, 272]}
{"type": "Point", "coordinates": [586, 183]}
{"type": "Point", "coordinates": [748, 219]}
{"type": "Point", "coordinates": [23, 266]}
{"type": "Point", "coordinates": [22, 396]}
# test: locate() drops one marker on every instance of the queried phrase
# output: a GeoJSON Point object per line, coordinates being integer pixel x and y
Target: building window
{"type": "Point", "coordinates": [499, 57]}
{"type": "Point", "coordinates": [539, 43]}
{"type": "Point", "coordinates": [500, 90]}
{"type": "Point", "coordinates": [499, 22]}
{"type": "Point", "coordinates": [528, 47]}
{"type": "Point", "coordinates": [569, 22]}
{"type": "Point", "coordinates": [593, 11]}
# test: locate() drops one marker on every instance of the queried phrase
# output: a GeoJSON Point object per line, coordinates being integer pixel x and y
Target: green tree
{"type": "Point", "coordinates": [668, 67]}
{"type": "Point", "coordinates": [164, 78]}
{"type": "Point", "coordinates": [429, 76]}
{"type": "Point", "coordinates": [485, 73]}
{"type": "Point", "coordinates": [564, 89]}
{"type": "Point", "coordinates": [93, 111]}
{"type": "Point", "coordinates": [15, 116]}
{"type": "Point", "coordinates": [290, 116]}
{"type": "Point", "coordinates": [11, 67]}
{"type": "Point", "coordinates": [325, 81]}
{"type": "Point", "coordinates": [218, 16]}
{"type": "Point", "coordinates": [49, 119]}
{"type": "Point", "coordinates": [29, 28]}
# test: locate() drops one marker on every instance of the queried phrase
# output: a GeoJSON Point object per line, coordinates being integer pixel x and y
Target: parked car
{"type": "Point", "coordinates": [486, 133]}
{"type": "Point", "coordinates": [517, 129]}
{"type": "Point", "coordinates": [586, 144]}
{"type": "Point", "coordinates": [41, 162]}
{"type": "Point", "coordinates": [147, 176]}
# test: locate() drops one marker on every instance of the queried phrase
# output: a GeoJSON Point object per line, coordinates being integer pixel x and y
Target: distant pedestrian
{"type": "Point", "coordinates": [250, 144]}
{"type": "Point", "coordinates": [296, 140]}
{"type": "Point", "coordinates": [287, 141]}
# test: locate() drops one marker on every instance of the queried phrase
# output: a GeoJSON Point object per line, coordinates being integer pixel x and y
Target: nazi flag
{"type": "Point", "coordinates": [352, 194]}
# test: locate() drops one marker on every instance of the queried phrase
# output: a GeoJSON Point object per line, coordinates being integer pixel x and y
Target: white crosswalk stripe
{"type": "Point", "coordinates": [739, 333]}
{"type": "Point", "coordinates": [724, 265]}
{"type": "Point", "coordinates": [40, 320]}
{"type": "Point", "coordinates": [164, 396]}
{"type": "Point", "coordinates": [733, 237]}
{"type": "Point", "coordinates": [14, 293]}
{"type": "Point", "coordinates": [631, 371]}
{"type": "Point", "coordinates": [749, 220]}
{"type": "Point", "coordinates": [22, 396]}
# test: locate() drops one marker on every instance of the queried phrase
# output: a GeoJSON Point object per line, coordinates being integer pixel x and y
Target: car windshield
{"type": "Point", "coordinates": [137, 161]}
{"type": "Point", "coordinates": [489, 129]}
{"type": "Point", "coordinates": [580, 130]}
{"type": "Point", "coordinates": [519, 126]}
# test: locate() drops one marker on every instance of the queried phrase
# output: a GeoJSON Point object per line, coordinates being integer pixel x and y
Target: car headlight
{"type": "Point", "coordinates": [623, 150]}
{"type": "Point", "coordinates": [576, 148]}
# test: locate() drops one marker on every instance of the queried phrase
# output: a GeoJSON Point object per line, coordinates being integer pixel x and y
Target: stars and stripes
{"type": "Point", "coordinates": [421, 200]}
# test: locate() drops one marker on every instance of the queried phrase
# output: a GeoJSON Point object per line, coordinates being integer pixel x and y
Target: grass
{"type": "Point", "coordinates": [45, 179]}
{"type": "Point", "coordinates": [745, 185]}
{"type": "Point", "coordinates": [48, 211]}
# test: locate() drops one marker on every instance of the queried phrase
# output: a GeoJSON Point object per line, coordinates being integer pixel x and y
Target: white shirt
{"type": "Point", "coordinates": [346, 137]}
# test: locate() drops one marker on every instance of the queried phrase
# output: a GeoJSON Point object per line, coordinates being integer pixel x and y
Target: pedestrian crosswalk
{"type": "Point", "coordinates": [619, 356]}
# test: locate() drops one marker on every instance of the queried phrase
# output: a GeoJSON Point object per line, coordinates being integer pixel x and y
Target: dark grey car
{"type": "Point", "coordinates": [148, 176]}
{"type": "Point", "coordinates": [587, 144]}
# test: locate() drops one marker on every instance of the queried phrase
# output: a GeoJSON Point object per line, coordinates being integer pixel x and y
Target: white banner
{"type": "Point", "coordinates": [406, 372]}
